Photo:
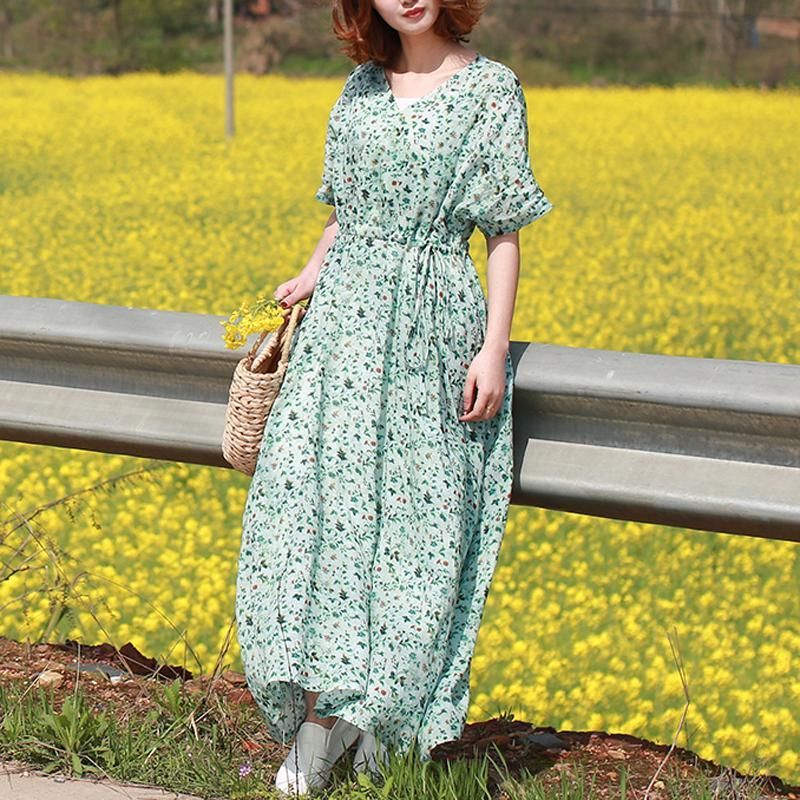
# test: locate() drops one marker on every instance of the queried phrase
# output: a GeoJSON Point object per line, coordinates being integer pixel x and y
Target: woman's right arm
{"type": "Point", "coordinates": [302, 286]}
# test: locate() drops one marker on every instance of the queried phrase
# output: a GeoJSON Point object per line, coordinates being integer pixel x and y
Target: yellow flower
{"type": "Point", "coordinates": [665, 239]}
{"type": "Point", "coordinates": [265, 314]}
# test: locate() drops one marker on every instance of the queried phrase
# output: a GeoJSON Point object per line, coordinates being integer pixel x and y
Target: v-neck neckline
{"type": "Point", "coordinates": [436, 90]}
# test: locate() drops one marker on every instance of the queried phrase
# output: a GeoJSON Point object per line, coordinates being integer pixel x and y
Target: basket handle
{"type": "Point", "coordinates": [294, 319]}
{"type": "Point", "coordinates": [288, 325]}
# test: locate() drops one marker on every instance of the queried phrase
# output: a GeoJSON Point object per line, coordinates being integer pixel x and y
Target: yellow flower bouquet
{"type": "Point", "coordinates": [264, 314]}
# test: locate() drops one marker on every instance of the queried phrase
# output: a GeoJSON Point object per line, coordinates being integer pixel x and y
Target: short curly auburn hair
{"type": "Point", "coordinates": [367, 36]}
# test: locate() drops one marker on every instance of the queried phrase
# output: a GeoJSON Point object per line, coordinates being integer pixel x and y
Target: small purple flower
{"type": "Point", "coordinates": [244, 770]}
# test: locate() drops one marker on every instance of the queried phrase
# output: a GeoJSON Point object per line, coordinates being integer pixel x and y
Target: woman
{"type": "Point", "coordinates": [378, 505]}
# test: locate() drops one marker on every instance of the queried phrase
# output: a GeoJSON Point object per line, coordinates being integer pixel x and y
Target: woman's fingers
{"type": "Point", "coordinates": [286, 294]}
{"type": "Point", "coordinates": [485, 406]}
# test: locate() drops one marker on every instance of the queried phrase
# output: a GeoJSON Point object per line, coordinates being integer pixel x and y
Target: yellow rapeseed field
{"type": "Point", "coordinates": [676, 230]}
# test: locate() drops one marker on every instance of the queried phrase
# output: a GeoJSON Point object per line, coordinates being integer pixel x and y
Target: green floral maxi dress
{"type": "Point", "coordinates": [374, 518]}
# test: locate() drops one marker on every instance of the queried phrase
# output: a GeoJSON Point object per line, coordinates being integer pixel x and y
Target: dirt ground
{"type": "Point", "coordinates": [122, 683]}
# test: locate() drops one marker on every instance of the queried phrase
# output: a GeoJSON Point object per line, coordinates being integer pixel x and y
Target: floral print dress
{"type": "Point", "coordinates": [374, 518]}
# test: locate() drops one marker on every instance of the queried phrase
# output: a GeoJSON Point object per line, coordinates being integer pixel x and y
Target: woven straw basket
{"type": "Point", "coordinates": [255, 385]}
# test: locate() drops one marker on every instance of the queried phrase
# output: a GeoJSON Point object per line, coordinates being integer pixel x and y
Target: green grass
{"type": "Point", "coordinates": [193, 743]}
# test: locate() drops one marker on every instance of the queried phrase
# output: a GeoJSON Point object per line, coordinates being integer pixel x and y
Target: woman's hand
{"type": "Point", "coordinates": [298, 288]}
{"type": "Point", "coordinates": [487, 374]}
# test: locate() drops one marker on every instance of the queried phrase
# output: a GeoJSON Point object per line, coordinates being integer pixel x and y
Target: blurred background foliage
{"type": "Point", "coordinates": [548, 42]}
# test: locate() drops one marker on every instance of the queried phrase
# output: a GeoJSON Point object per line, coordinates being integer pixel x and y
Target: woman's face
{"type": "Point", "coordinates": [396, 14]}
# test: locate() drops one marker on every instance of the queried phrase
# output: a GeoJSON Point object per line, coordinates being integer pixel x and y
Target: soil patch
{"type": "Point", "coordinates": [122, 682]}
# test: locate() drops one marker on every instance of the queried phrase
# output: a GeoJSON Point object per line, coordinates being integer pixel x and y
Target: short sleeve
{"type": "Point", "coordinates": [335, 136]}
{"type": "Point", "coordinates": [332, 137]}
{"type": "Point", "coordinates": [502, 193]}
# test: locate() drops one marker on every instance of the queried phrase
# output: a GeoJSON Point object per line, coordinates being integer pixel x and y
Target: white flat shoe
{"type": "Point", "coordinates": [313, 753]}
{"type": "Point", "coordinates": [367, 754]}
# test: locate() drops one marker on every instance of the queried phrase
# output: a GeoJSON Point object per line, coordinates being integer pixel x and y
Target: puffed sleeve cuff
{"type": "Point", "coordinates": [513, 211]}
{"type": "Point", "coordinates": [325, 194]}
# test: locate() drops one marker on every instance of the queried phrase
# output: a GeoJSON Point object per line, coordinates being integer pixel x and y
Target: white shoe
{"type": "Point", "coordinates": [313, 753]}
{"type": "Point", "coordinates": [367, 754]}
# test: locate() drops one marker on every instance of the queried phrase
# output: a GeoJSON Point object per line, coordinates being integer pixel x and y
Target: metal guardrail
{"type": "Point", "coordinates": [700, 443]}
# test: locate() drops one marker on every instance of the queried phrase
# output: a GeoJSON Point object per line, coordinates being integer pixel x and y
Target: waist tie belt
{"type": "Point", "coordinates": [425, 289]}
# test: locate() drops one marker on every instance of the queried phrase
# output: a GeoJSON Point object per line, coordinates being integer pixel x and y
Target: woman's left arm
{"type": "Point", "coordinates": [486, 373]}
